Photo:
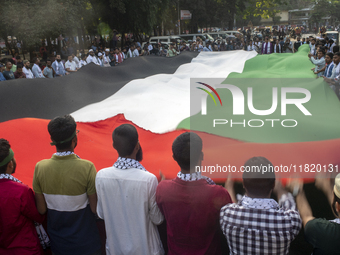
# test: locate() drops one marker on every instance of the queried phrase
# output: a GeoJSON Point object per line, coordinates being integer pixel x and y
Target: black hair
{"type": "Point", "coordinates": [60, 129]}
{"type": "Point", "coordinates": [4, 152]}
{"type": "Point", "coordinates": [34, 59]}
{"type": "Point", "coordinates": [20, 66]}
{"type": "Point", "coordinates": [335, 49]}
{"type": "Point", "coordinates": [187, 150]}
{"type": "Point", "coordinates": [330, 54]}
{"type": "Point", "coordinates": [337, 53]}
{"type": "Point", "coordinates": [335, 199]}
{"type": "Point", "coordinates": [322, 50]}
{"type": "Point", "coordinates": [17, 57]}
{"type": "Point", "coordinates": [256, 181]}
{"type": "Point", "coordinates": [48, 60]}
{"type": "Point", "coordinates": [125, 139]}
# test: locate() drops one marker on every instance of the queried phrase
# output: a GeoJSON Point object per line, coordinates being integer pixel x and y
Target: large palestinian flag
{"type": "Point", "coordinates": [153, 93]}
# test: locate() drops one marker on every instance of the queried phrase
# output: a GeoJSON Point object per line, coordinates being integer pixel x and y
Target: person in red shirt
{"type": "Point", "coordinates": [19, 74]}
{"type": "Point", "coordinates": [191, 202]}
{"type": "Point", "coordinates": [18, 235]}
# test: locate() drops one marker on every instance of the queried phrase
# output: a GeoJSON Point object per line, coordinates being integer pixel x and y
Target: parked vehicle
{"type": "Point", "coordinates": [221, 36]}
{"type": "Point", "coordinates": [193, 37]}
{"type": "Point", "coordinates": [165, 41]}
{"type": "Point", "coordinates": [334, 35]}
{"type": "Point", "coordinates": [233, 32]}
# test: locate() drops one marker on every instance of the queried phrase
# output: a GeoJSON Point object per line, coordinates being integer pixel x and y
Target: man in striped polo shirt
{"type": "Point", "coordinates": [64, 186]}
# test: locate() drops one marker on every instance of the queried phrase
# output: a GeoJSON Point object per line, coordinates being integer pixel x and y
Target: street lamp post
{"type": "Point", "coordinates": [179, 20]}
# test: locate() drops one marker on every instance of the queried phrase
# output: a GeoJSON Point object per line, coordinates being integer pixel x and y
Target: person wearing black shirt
{"type": "Point", "coordinates": [297, 44]}
{"type": "Point", "coordinates": [8, 74]}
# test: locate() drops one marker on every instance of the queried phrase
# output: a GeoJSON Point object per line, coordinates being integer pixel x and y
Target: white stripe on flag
{"type": "Point", "coordinates": [160, 102]}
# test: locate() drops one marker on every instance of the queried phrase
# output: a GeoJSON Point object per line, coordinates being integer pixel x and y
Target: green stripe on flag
{"type": "Point", "coordinates": [278, 65]}
{"type": "Point", "coordinates": [263, 73]}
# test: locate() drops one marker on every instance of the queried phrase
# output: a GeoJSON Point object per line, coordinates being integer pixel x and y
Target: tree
{"type": "Point", "coordinates": [133, 16]}
{"type": "Point", "coordinates": [34, 20]}
{"type": "Point", "coordinates": [323, 8]}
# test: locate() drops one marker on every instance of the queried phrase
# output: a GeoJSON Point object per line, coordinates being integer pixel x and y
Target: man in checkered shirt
{"type": "Point", "coordinates": [258, 224]}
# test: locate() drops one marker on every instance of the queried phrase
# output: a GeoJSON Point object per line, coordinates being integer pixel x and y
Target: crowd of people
{"type": "Point", "coordinates": [133, 202]}
{"type": "Point", "coordinates": [16, 68]}
{"type": "Point", "coordinates": [61, 64]}
{"type": "Point", "coordinates": [324, 54]}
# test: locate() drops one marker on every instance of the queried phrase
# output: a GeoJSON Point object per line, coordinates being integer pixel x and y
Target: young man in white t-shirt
{"type": "Point", "coordinates": [70, 65]}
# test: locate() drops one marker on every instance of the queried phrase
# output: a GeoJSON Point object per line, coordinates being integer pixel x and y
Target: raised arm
{"type": "Point", "coordinates": [286, 199]}
{"type": "Point", "coordinates": [229, 186]}
{"type": "Point", "coordinates": [301, 201]}
{"type": "Point", "coordinates": [325, 185]}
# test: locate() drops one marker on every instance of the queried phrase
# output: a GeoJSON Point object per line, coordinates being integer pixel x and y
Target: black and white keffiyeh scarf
{"type": "Point", "coordinates": [259, 203]}
{"type": "Point", "coordinates": [9, 177]}
{"type": "Point", "coordinates": [126, 163]}
{"type": "Point", "coordinates": [43, 237]}
{"type": "Point", "coordinates": [194, 177]}
{"type": "Point", "coordinates": [65, 153]}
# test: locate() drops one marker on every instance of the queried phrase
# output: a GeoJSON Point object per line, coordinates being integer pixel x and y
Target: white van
{"type": "Point", "coordinates": [222, 35]}
{"type": "Point", "coordinates": [234, 33]}
{"type": "Point", "coordinates": [193, 37]}
{"type": "Point", "coordinates": [334, 35]}
{"type": "Point", "coordinates": [165, 39]}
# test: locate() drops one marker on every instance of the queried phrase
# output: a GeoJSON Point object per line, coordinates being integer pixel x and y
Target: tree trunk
{"type": "Point", "coordinates": [8, 46]}
{"type": "Point", "coordinates": [80, 44]}
{"type": "Point", "coordinates": [59, 45]}
{"type": "Point", "coordinates": [122, 40]}
{"type": "Point", "coordinates": [49, 45]}
{"type": "Point", "coordinates": [84, 35]}
{"type": "Point", "coordinates": [23, 49]}
{"type": "Point", "coordinates": [31, 53]}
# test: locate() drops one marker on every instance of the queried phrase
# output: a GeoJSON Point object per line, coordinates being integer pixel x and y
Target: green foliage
{"type": "Point", "coordinates": [129, 15]}
{"type": "Point", "coordinates": [34, 20]}
{"type": "Point", "coordinates": [265, 9]}
{"type": "Point", "coordinates": [323, 8]}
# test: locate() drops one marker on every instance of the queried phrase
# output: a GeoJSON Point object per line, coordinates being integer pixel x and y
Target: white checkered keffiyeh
{"type": "Point", "coordinates": [194, 177]}
{"type": "Point", "coordinates": [126, 163]}
{"type": "Point", "coordinates": [260, 226]}
{"type": "Point", "coordinates": [63, 154]}
{"type": "Point", "coordinates": [9, 177]}
{"type": "Point", "coordinates": [42, 235]}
